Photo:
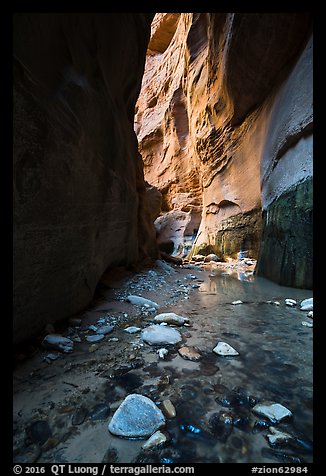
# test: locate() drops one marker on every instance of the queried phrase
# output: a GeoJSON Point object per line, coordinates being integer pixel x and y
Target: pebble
{"type": "Point", "coordinates": [58, 342]}
{"type": "Point", "coordinates": [136, 417]}
{"type": "Point", "coordinates": [95, 338]}
{"type": "Point", "coordinates": [100, 412]}
{"type": "Point", "coordinates": [157, 334]}
{"type": "Point", "coordinates": [275, 412]}
{"type": "Point", "coordinates": [189, 353]}
{"type": "Point", "coordinates": [140, 301]}
{"type": "Point", "coordinates": [79, 416]}
{"type": "Point", "coordinates": [171, 318]}
{"type": "Point", "coordinates": [162, 353]}
{"type": "Point", "coordinates": [104, 330]}
{"type": "Point", "coordinates": [290, 302]}
{"type": "Point", "coordinates": [92, 328]}
{"type": "Point", "coordinates": [310, 314]}
{"type": "Point", "coordinates": [223, 348]}
{"type": "Point", "coordinates": [237, 302]}
{"type": "Point", "coordinates": [307, 324]}
{"type": "Point", "coordinates": [168, 409]}
{"type": "Point", "coordinates": [40, 431]}
{"type": "Point", "coordinates": [277, 437]}
{"type": "Point", "coordinates": [132, 329]}
{"type": "Point", "coordinates": [157, 439]}
{"type": "Point", "coordinates": [307, 305]}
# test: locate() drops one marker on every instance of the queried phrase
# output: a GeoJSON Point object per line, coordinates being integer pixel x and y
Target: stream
{"type": "Point", "coordinates": [213, 397]}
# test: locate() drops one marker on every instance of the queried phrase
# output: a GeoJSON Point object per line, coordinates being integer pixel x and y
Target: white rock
{"type": "Point", "coordinates": [278, 437]}
{"type": "Point", "coordinates": [157, 439]}
{"type": "Point", "coordinates": [307, 304]}
{"type": "Point", "coordinates": [310, 314]}
{"type": "Point", "coordinates": [171, 318]}
{"type": "Point", "coordinates": [140, 301]}
{"type": "Point", "coordinates": [58, 342]}
{"type": "Point", "coordinates": [290, 302]}
{"type": "Point", "coordinates": [307, 324]}
{"type": "Point", "coordinates": [95, 338]}
{"type": "Point", "coordinates": [223, 348]}
{"type": "Point", "coordinates": [211, 257]}
{"type": "Point", "coordinates": [275, 412]}
{"type": "Point", "coordinates": [132, 329]}
{"type": "Point", "coordinates": [162, 353]}
{"type": "Point", "coordinates": [136, 417]}
{"type": "Point", "coordinates": [237, 302]}
{"type": "Point", "coordinates": [157, 334]}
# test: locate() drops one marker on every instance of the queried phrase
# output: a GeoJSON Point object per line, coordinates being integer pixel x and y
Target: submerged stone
{"type": "Point", "coordinates": [136, 417]}
{"type": "Point", "coordinates": [275, 412]}
{"type": "Point", "coordinates": [157, 439]}
{"type": "Point", "coordinates": [223, 348]}
{"type": "Point", "coordinates": [157, 334]}
{"type": "Point", "coordinates": [95, 338]}
{"type": "Point", "coordinates": [168, 409]}
{"type": "Point", "coordinates": [162, 353]}
{"type": "Point", "coordinates": [189, 353]}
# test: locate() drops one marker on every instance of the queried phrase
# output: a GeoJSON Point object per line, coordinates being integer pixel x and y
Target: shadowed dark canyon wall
{"type": "Point", "coordinates": [224, 123]}
{"type": "Point", "coordinates": [79, 193]}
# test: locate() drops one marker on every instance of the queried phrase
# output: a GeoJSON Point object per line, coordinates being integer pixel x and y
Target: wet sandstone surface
{"type": "Point", "coordinates": [63, 402]}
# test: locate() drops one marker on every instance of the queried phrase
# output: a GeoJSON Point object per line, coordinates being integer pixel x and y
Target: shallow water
{"type": "Point", "coordinates": [274, 364]}
{"type": "Point", "coordinates": [275, 361]}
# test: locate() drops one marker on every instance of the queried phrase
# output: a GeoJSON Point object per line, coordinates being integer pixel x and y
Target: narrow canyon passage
{"type": "Point", "coordinates": [163, 204]}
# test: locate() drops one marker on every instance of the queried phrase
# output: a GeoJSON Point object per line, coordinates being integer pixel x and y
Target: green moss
{"type": "Point", "coordinates": [286, 252]}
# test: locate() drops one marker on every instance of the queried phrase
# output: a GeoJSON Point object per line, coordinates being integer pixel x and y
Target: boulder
{"type": "Point", "coordinates": [136, 417]}
{"type": "Point", "coordinates": [157, 334]}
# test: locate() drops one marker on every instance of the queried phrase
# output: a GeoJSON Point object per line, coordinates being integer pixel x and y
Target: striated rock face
{"type": "Point", "coordinates": [217, 111]}
{"type": "Point", "coordinates": [80, 201]}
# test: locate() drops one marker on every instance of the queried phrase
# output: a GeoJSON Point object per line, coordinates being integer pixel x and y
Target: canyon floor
{"type": "Point", "coordinates": [63, 402]}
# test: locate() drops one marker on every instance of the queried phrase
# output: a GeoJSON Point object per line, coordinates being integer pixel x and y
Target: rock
{"type": "Point", "coordinates": [132, 329]}
{"type": "Point", "coordinates": [171, 318]}
{"type": "Point", "coordinates": [211, 257]}
{"type": "Point", "coordinates": [140, 301]}
{"type": "Point", "coordinates": [58, 342]}
{"type": "Point", "coordinates": [249, 261]}
{"type": "Point", "coordinates": [28, 455]}
{"type": "Point", "coordinates": [236, 302]}
{"type": "Point", "coordinates": [307, 324]}
{"type": "Point", "coordinates": [290, 302]}
{"type": "Point", "coordinates": [223, 348]}
{"type": "Point", "coordinates": [79, 416]}
{"type": "Point", "coordinates": [39, 431]}
{"type": "Point", "coordinates": [136, 417]}
{"type": "Point", "coordinates": [157, 334]}
{"type": "Point", "coordinates": [198, 258]}
{"type": "Point", "coordinates": [275, 412]}
{"type": "Point", "coordinates": [92, 328]}
{"type": "Point", "coordinates": [310, 314]}
{"type": "Point", "coordinates": [157, 439]}
{"type": "Point", "coordinates": [168, 409]}
{"type": "Point", "coordinates": [162, 353]}
{"type": "Point", "coordinates": [52, 356]}
{"type": "Point", "coordinates": [189, 353]}
{"type": "Point", "coordinates": [100, 412]}
{"type": "Point", "coordinates": [221, 425]}
{"type": "Point", "coordinates": [95, 338]}
{"type": "Point", "coordinates": [278, 438]}
{"type": "Point", "coordinates": [104, 330]}
{"type": "Point", "coordinates": [307, 305]}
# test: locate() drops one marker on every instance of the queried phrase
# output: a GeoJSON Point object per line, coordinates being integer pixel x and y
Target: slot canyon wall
{"type": "Point", "coordinates": [79, 194]}
{"type": "Point", "coordinates": [224, 124]}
